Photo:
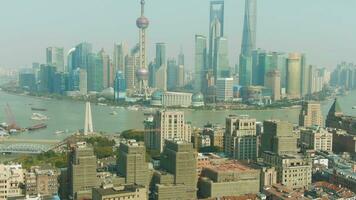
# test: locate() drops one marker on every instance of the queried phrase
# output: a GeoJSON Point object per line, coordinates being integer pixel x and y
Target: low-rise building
{"type": "Point", "coordinates": [204, 141]}
{"type": "Point", "coordinates": [216, 134]}
{"type": "Point", "coordinates": [293, 171]}
{"type": "Point", "coordinates": [132, 192]}
{"type": "Point", "coordinates": [316, 138]}
{"type": "Point", "coordinates": [230, 178]}
{"type": "Point", "coordinates": [41, 181]}
{"type": "Point", "coordinates": [11, 179]}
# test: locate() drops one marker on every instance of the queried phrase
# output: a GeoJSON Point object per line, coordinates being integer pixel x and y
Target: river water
{"type": "Point", "coordinates": [69, 115]}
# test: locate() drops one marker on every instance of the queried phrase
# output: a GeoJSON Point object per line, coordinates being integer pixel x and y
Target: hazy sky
{"type": "Point", "coordinates": [323, 29]}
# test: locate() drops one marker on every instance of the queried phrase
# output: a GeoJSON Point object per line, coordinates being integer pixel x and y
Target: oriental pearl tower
{"type": "Point", "coordinates": [142, 72]}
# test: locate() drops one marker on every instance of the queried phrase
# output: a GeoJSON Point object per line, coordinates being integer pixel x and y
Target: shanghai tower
{"type": "Point", "coordinates": [249, 29]}
{"type": "Point", "coordinates": [248, 43]}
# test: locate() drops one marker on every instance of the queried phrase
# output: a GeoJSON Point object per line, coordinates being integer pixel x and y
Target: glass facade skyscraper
{"type": "Point", "coordinates": [248, 43]}
{"type": "Point", "coordinates": [200, 61]}
{"type": "Point", "coordinates": [216, 27]}
{"type": "Point", "coordinates": [221, 59]}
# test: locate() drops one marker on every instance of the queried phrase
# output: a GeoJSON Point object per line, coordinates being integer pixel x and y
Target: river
{"type": "Point", "coordinates": [69, 115]}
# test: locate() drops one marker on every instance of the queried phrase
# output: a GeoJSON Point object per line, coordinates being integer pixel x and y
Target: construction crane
{"type": "Point", "coordinates": [10, 118]}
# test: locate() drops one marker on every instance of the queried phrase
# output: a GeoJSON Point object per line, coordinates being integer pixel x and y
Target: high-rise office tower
{"type": "Point", "coordinates": [160, 76]}
{"type": "Point", "coordinates": [70, 60]}
{"type": "Point", "coordinates": [55, 57]}
{"type": "Point", "coordinates": [119, 85]}
{"type": "Point", "coordinates": [120, 52]}
{"type": "Point", "coordinates": [107, 69]}
{"type": "Point", "coordinates": [221, 59]}
{"type": "Point", "coordinates": [200, 68]}
{"type": "Point", "coordinates": [249, 29]}
{"type": "Point", "coordinates": [181, 57]}
{"type": "Point", "coordinates": [47, 73]}
{"type": "Point", "coordinates": [273, 82]}
{"type": "Point", "coordinates": [294, 64]}
{"type": "Point", "coordinates": [310, 114]}
{"type": "Point", "coordinates": [180, 76]}
{"type": "Point", "coordinates": [80, 56]}
{"type": "Point", "coordinates": [240, 138]}
{"type": "Point", "coordinates": [248, 43]}
{"type": "Point", "coordinates": [132, 163]}
{"type": "Point", "coordinates": [83, 81]}
{"type": "Point", "coordinates": [95, 72]}
{"type": "Point", "coordinates": [142, 71]}
{"type": "Point", "coordinates": [130, 63]}
{"type": "Point", "coordinates": [172, 74]}
{"type": "Point", "coordinates": [216, 27]}
{"type": "Point", "coordinates": [167, 125]}
{"type": "Point", "coordinates": [224, 89]}
{"type": "Point", "coordinates": [305, 76]}
{"type": "Point", "coordinates": [278, 137]}
{"type": "Point", "coordinates": [177, 178]}
{"type": "Point", "coordinates": [81, 171]}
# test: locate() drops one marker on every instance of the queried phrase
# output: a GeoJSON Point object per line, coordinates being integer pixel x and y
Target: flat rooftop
{"type": "Point", "coordinates": [230, 166]}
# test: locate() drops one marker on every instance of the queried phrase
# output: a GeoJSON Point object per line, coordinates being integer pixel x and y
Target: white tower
{"type": "Point", "coordinates": [88, 123]}
{"type": "Point", "coordinates": [142, 73]}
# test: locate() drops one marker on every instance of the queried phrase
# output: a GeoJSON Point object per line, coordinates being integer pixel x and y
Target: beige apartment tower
{"type": "Point", "coordinates": [310, 114]}
{"type": "Point", "coordinates": [273, 82]}
{"type": "Point", "coordinates": [166, 125]}
{"type": "Point", "coordinates": [240, 137]}
{"type": "Point", "coordinates": [294, 69]}
{"type": "Point", "coordinates": [316, 138]}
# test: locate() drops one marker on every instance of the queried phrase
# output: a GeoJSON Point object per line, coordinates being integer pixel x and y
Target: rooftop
{"type": "Point", "coordinates": [230, 166]}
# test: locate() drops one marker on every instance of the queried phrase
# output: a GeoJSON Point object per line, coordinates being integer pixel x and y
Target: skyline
{"type": "Point", "coordinates": [326, 39]}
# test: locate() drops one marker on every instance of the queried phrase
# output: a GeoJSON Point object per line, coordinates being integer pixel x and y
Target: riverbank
{"type": "Point", "coordinates": [141, 105]}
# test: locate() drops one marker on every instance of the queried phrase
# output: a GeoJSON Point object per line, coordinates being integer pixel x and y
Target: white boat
{"type": "Point", "coordinates": [133, 108]}
{"type": "Point", "coordinates": [353, 107]}
{"type": "Point", "coordinates": [102, 104]}
{"type": "Point", "coordinates": [113, 112]}
{"type": "Point", "coordinates": [59, 132]}
{"type": "Point", "coordinates": [39, 117]}
{"type": "Point", "coordinates": [3, 133]}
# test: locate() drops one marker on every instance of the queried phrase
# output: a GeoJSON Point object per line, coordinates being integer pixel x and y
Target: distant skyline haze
{"type": "Point", "coordinates": [323, 30]}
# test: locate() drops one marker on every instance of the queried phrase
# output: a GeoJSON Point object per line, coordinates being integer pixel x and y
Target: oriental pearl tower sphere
{"type": "Point", "coordinates": [142, 73]}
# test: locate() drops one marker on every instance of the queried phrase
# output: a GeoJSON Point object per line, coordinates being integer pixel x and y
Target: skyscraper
{"type": "Point", "coordinates": [142, 71]}
{"type": "Point", "coordinates": [221, 59]}
{"type": "Point", "coordinates": [107, 69]}
{"type": "Point", "coordinates": [120, 52]}
{"type": "Point", "coordinates": [80, 56]}
{"type": "Point", "coordinates": [55, 57]}
{"type": "Point", "coordinates": [172, 74]}
{"type": "Point", "coordinates": [216, 27]}
{"type": "Point", "coordinates": [273, 82]}
{"type": "Point", "coordinates": [160, 77]}
{"type": "Point", "coordinates": [248, 43]}
{"type": "Point", "coordinates": [294, 76]}
{"type": "Point", "coordinates": [119, 85]}
{"type": "Point", "coordinates": [249, 29]}
{"type": "Point", "coordinates": [82, 171]}
{"type": "Point", "coordinates": [132, 163]}
{"type": "Point", "coordinates": [177, 178]}
{"type": "Point", "coordinates": [200, 62]}
{"type": "Point", "coordinates": [95, 72]}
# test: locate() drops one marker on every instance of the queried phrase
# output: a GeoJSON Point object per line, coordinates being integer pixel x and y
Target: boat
{"type": "Point", "coordinates": [133, 108]}
{"type": "Point", "coordinates": [102, 104]}
{"type": "Point", "coordinates": [59, 132]}
{"type": "Point", "coordinates": [39, 117]}
{"type": "Point", "coordinates": [113, 112]}
{"type": "Point", "coordinates": [37, 126]}
{"type": "Point", "coordinates": [3, 133]}
{"type": "Point", "coordinates": [353, 107]}
{"type": "Point", "coordinates": [38, 109]}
